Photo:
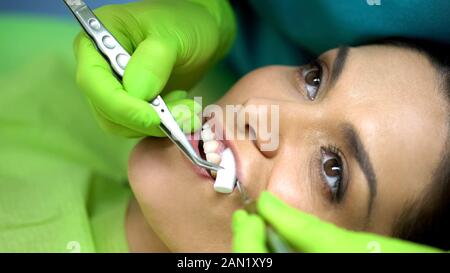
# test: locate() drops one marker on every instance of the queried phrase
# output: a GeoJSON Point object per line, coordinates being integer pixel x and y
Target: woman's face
{"type": "Point", "coordinates": [357, 141]}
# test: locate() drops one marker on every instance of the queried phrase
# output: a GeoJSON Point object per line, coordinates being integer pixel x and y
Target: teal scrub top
{"type": "Point", "coordinates": [290, 32]}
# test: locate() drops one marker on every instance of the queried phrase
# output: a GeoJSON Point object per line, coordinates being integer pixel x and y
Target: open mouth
{"type": "Point", "coordinates": [210, 146]}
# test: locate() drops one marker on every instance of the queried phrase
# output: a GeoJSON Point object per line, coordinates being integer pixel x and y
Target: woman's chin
{"type": "Point", "coordinates": [179, 204]}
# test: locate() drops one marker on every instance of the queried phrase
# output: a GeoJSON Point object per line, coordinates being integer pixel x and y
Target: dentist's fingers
{"type": "Point", "coordinates": [175, 95]}
{"type": "Point", "coordinates": [186, 113]}
{"type": "Point", "coordinates": [308, 233]}
{"type": "Point", "coordinates": [248, 233]}
{"type": "Point", "coordinates": [150, 68]}
{"type": "Point", "coordinates": [304, 231]}
{"type": "Point", "coordinates": [106, 93]}
{"type": "Point", "coordinates": [114, 128]}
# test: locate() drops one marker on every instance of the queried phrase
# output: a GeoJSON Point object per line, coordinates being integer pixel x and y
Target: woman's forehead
{"type": "Point", "coordinates": [391, 95]}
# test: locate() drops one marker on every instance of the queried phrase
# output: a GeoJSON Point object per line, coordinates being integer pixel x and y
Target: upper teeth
{"type": "Point", "coordinates": [207, 135]}
{"type": "Point", "coordinates": [225, 179]}
{"type": "Point", "coordinates": [213, 158]}
{"type": "Point", "coordinates": [210, 145]}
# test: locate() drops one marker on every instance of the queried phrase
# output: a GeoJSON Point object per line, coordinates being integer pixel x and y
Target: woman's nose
{"type": "Point", "coordinates": [258, 120]}
{"type": "Point", "coordinates": [270, 123]}
{"type": "Point", "coordinates": [265, 129]}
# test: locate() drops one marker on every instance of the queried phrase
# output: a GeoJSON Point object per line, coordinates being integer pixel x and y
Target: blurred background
{"type": "Point", "coordinates": [48, 7]}
{"type": "Point", "coordinates": [47, 25]}
{"type": "Point", "coordinates": [53, 154]}
{"type": "Point", "coordinates": [52, 150]}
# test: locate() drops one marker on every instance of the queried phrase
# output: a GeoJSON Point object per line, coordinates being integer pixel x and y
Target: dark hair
{"type": "Point", "coordinates": [427, 220]}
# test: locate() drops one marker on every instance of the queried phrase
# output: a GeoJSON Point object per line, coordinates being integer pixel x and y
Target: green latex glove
{"type": "Point", "coordinates": [307, 233]}
{"type": "Point", "coordinates": [173, 43]}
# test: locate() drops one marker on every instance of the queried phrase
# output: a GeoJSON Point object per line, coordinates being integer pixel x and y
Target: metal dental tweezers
{"type": "Point", "coordinates": [118, 58]}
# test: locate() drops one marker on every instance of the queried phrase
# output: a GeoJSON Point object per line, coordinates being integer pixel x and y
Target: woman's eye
{"type": "Point", "coordinates": [332, 171]}
{"type": "Point", "coordinates": [312, 76]}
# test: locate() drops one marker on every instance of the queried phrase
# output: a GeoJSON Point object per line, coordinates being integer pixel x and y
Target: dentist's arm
{"type": "Point", "coordinates": [307, 233]}
{"type": "Point", "coordinates": [173, 43]}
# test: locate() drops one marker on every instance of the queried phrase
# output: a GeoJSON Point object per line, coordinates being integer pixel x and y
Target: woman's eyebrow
{"type": "Point", "coordinates": [338, 65]}
{"type": "Point", "coordinates": [353, 141]}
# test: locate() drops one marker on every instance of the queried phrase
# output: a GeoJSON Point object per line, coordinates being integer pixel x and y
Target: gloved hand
{"type": "Point", "coordinates": [172, 43]}
{"type": "Point", "coordinates": [307, 233]}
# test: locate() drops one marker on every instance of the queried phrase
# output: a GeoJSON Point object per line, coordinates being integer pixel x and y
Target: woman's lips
{"type": "Point", "coordinates": [230, 144]}
{"type": "Point", "coordinates": [194, 140]}
{"type": "Point", "coordinates": [225, 143]}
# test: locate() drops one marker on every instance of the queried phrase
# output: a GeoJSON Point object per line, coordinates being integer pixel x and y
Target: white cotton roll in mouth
{"type": "Point", "coordinates": [226, 177]}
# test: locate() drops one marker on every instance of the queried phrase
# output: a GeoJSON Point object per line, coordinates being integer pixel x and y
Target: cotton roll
{"type": "Point", "coordinates": [226, 177]}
